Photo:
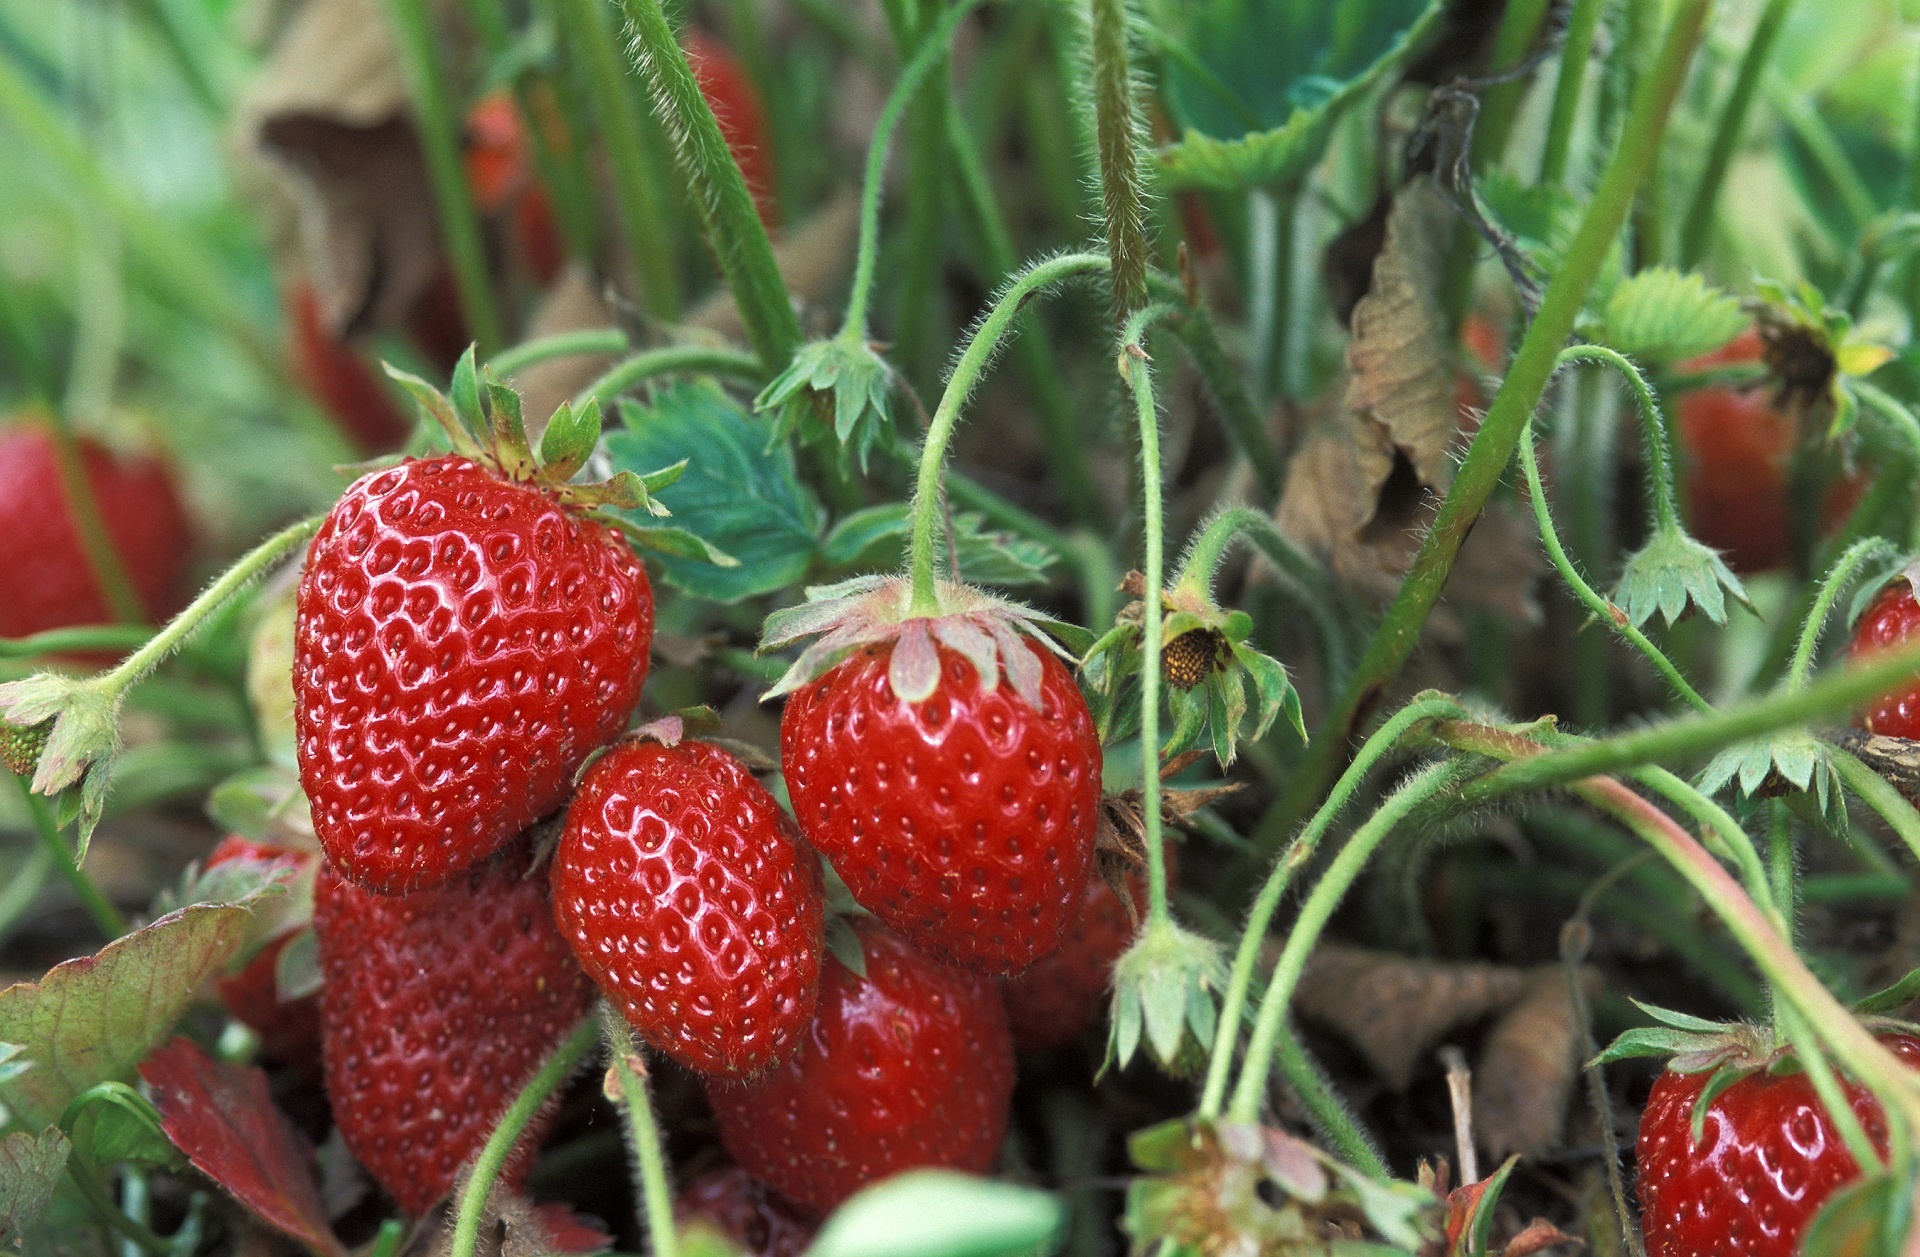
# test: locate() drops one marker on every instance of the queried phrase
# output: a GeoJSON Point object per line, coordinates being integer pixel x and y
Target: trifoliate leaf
{"type": "Point", "coordinates": [1662, 315]}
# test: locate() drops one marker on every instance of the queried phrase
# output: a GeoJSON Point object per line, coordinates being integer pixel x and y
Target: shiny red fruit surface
{"type": "Point", "coordinates": [437, 1009]}
{"type": "Point", "coordinates": [909, 1066]}
{"type": "Point", "coordinates": [1065, 991]}
{"type": "Point", "coordinates": [746, 1211]}
{"type": "Point", "coordinates": [462, 645]}
{"type": "Point", "coordinates": [1891, 619]}
{"type": "Point", "coordinates": [965, 821]}
{"type": "Point", "coordinates": [686, 893]}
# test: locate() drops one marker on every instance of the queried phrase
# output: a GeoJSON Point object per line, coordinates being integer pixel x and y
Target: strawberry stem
{"type": "Point", "coordinates": [1575, 51]}
{"type": "Point", "coordinates": [643, 1133]}
{"type": "Point", "coordinates": [1666, 509]}
{"type": "Point", "coordinates": [672, 360]}
{"type": "Point", "coordinates": [506, 1133]}
{"type": "Point", "coordinates": [1729, 132]}
{"type": "Point", "coordinates": [1858, 555]}
{"type": "Point", "coordinates": [1122, 185]}
{"type": "Point", "coordinates": [981, 347]}
{"type": "Point", "coordinates": [591, 342]}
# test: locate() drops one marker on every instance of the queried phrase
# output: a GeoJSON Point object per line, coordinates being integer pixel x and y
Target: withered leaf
{"type": "Point", "coordinates": [1394, 1008]}
{"type": "Point", "coordinates": [1528, 1067]}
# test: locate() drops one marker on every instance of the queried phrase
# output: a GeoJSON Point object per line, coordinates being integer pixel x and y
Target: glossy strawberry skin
{"type": "Point", "coordinates": [461, 645]}
{"type": "Point", "coordinates": [1891, 619]}
{"type": "Point", "coordinates": [1769, 1157]}
{"type": "Point", "coordinates": [45, 582]}
{"type": "Point", "coordinates": [437, 1009]}
{"type": "Point", "coordinates": [746, 1211]}
{"type": "Point", "coordinates": [1065, 991]}
{"type": "Point", "coordinates": [289, 1030]}
{"type": "Point", "coordinates": [966, 821]}
{"type": "Point", "coordinates": [340, 379]}
{"type": "Point", "coordinates": [909, 1066]}
{"type": "Point", "coordinates": [686, 893]}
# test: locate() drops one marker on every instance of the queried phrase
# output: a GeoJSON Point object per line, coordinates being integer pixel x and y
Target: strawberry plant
{"type": "Point", "coordinates": [860, 498]}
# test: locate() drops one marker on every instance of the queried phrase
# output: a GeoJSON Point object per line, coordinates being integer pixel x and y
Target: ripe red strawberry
{"type": "Point", "coordinates": [1769, 1157]}
{"type": "Point", "coordinates": [736, 106]}
{"type": "Point", "coordinates": [686, 893]}
{"type": "Point", "coordinates": [463, 643]}
{"type": "Point", "coordinates": [746, 1211]}
{"type": "Point", "coordinates": [340, 379]}
{"type": "Point", "coordinates": [289, 1030]}
{"type": "Point", "coordinates": [1891, 619]}
{"type": "Point", "coordinates": [1066, 990]}
{"type": "Point", "coordinates": [965, 820]}
{"type": "Point", "coordinates": [438, 1007]}
{"type": "Point", "coordinates": [46, 582]}
{"type": "Point", "coordinates": [909, 1066]}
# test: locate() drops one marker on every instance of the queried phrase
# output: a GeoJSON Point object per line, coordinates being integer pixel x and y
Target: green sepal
{"type": "Point", "coordinates": [1672, 572]}
{"type": "Point", "coordinates": [843, 944]}
{"type": "Point", "coordinates": [568, 442]}
{"type": "Point", "coordinates": [1723, 1077]}
{"type": "Point", "coordinates": [654, 481]}
{"type": "Point", "coordinates": [465, 396]}
{"type": "Point", "coordinates": [1641, 1041]}
{"type": "Point", "coordinates": [1797, 758]}
{"type": "Point", "coordinates": [1679, 1020]}
{"type": "Point", "coordinates": [1226, 704]}
{"type": "Point", "coordinates": [1190, 710]}
{"type": "Point", "coordinates": [435, 406]}
{"type": "Point", "coordinates": [1275, 690]}
{"type": "Point", "coordinates": [676, 541]}
{"type": "Point", "coordinates": [842, 377]}
{"type": "Point", "coordinates": [509, 431]}
{"type": "Point", "coordinates": [112, 1123]}
{"type": "Point", "coordinates": [1480, 1228]}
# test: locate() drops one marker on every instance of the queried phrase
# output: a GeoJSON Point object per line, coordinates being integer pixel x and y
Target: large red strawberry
{"type": "Point", "coordinates": [1066, 990]}
{"type": "Point", "coordinates": [685, 892]}
{"type": "Point", "coordinates": [289, 1030]}
{"type": "Point", "coordinates": [465, 638]}
{"type": "Point", "coordinates": [746, 1211]}
{"type": "Point", "coordinates": [950, 770]}
{"type": "Point", "coordinates": [909, 1066]}
{"type": "Point", "coordinates": [438, 1007]}
{"type": "Point", "coordinates": [46, 581]}
{"type": "Point", "coordinates": [1768, 1158]}
{"type": "Point", "coordinates": [1891, 619]}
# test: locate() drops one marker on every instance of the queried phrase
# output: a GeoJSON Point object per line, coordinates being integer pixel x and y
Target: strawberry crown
{"type": "Point", "coordinates": [870, 610]}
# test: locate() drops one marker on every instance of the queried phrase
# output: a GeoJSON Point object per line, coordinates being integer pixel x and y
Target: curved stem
{"type": "Point", "coordinates": [1602, 608]}
{"type": "Point", "coordinates": [1314, 915]}
{"type": "Point", "coordinates": [673, 360]}
{"type": "Point", "coordinates": [966, 372]}
{"type": "Point", "coordinates": [593, 341]}
{"type": "Point", "coordinates": [1296, 857]}
{"type": "Point", "coordinates": [1666, 510]}
{"type": "Point", "coordinates": [1859, 553]}
{"type": "Point", "coordinates": [932, 51]}
{"type": "Point", "coordinates": [643, 1134]}
{"type": "Point", "coordinates": [1729, 131]}
{"type": "Point", "coordinates": [506, 1132]}
{"type": "Point", "coordinates": [100, 1202]}
{"type": "Point", "coordinates": [1133, 364]}
{"type": "Point", "coordinates": [1350, 1141]}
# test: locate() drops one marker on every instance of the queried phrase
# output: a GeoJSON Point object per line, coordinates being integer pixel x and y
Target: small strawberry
{"type": "Point", "coordinates": [340, 379]}
{"type": "Point", "coordinates": [46, 581]}
{"type": "Point", "coordinates": [438, 1007]}
{"type": "Point", "coordinates": [686, 893]}
{"type": "Point", "coordinates": [1066, 990]}
{"type": "Point", "coordinates": [1767, 1159]}
{"type": "Point", "coordinates": [947, 767]}
{"type": "Point", "coordinates": [289, 1030]}
{"type": "Point", "coordinates": [465, 637]}
{"type": "Point", "coordinates": [908, 1066]}
{"type": "Point", "coordinates": [1891, 619]}
{"type": "Point", "coordinates": [744, 1210]}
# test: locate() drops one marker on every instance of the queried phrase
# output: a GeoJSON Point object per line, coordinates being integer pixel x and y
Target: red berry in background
{"type": "Point", "coordinates": [964, 821]}
{"type": "Point", "coordinates": [46, 581]}
{"type": "Point", "coordinates": [462, 644]}
{"type": "Point", "coordinates": [746, 1211]}
{"type": "Point", "coordinates": [438, 1007]}
{"type": "Point", "coordinates": [909, 1066]}
{"type": "Point", "coordinates": [500, 172]}
{"type": "Point", "coordinates": [1769, 1157]}
{"type": "Point", "coordinates": [289, 1030]}
{"type": "Point", "coordinates": [341, 380]}
{"type": "Point", "coordinates": [1065, 991]}
{"type": "Point", "coordinates": [685, 892]}
{"type": "Point", "coordinates": [1891, 619]}
{"type": "Point", "coordinates": [736, 105]}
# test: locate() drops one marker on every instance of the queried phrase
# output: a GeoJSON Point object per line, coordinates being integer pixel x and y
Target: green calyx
{"type": "Point", "coordinates": [20, 746]}
{"type": "Point", "coordinates": [842, 385]}
{"type": "Point", "coordinates": [1777, 764]}
{"type": "Point", "coordinates": [1164, 991]}
{"type": "Point", "coordinates": [1674, 572]}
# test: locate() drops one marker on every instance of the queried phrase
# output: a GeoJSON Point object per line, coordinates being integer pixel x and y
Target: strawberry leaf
{"type": "Point", "coordinates": [89, 1020]}
{"type": "Point", "coordinates": [938, 1213]}
{"type": "Point", "coordinates": [1663, 316]}
{"type": "Point", "coordinates": [30, 1169]}
{"type": "Point", "coordinates": [222, 1116]}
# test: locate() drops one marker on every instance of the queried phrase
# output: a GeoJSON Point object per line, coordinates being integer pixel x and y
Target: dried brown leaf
{"type": "Point", "coordinates": [1528, 1067]}
{"type": "Point", "coordinates": [1538, 1236]}
{"type": "Point", "coordinates": [1394, 1008]}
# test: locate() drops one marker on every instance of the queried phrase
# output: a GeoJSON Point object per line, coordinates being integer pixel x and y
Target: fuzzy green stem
{"type": "Point", "coordinates": [1653, 424]}
{"type": "Point", "coordinates": [636, 195]}
{"type": "Point", "coordinates": [931, 52]}
{"type": "Point", "coordinates": [966, 372]}
{"type": "Point", "coordinates": [643, 1135]}
{"type": "Point", "coordinates": [1122, 183]}
{"type": "Point", "coordinates": [718, 190]}
{"type": "Point", "coordinates": [1133, 362]}
{"type": "Point", "coordinates": [1858, 555]}
{"type": "Point", "coordinates": [1245, 425]}
{"type": "Point", "coordinates": [438, 126]}
{"type": "Point", "coordinates": [1782, 884]}
{"type": "Point", "coordinates": [591, 342]}
{"type": "Point", "coordinates": [1729, 131]}
{"type": "Point", "coordinates": [106, 918]}
{"type": "Point", "coordinates": [387, 1243]}
{"type": "Point", "coordinates": [1493, 446]}
{"type": "Point", "coordinates": [1575, 49]}
{"type": "Point", "coordinates": [499, 1146]}
{"type": "Point", "coordinates": [1733, 844]}
{"type": "Point", "coordinates": [673, 360]}
{"type": "Point", "coordinates": [1296, 857]}
{"type": "Point", "coordinates": [1326, 895]}
{"type": "Point", "coordinates": [1348, 1140]}
{"type": "Point", "coordinates": [1309, 580]}
{"type": "Point", "coordinates": [101, 1204]}
{"type": "Point", "coordinates": [110, 637]}
{"type": "Point", "coordinates": [1603, 610]}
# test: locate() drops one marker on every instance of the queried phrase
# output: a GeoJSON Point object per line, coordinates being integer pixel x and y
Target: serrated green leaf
{"type": "Point", "coordinates": [1661, 315]}
{"type": "Point", "coordinates": [938, 1213]}
{"type": "Point", "coordinates": [743, 497]}
{"type": "Point", "coordinates": [90, 1020]}
{"type": "Point", "coordinates": [569, 439]}
{"type": "Point", "coordinates": [30, 1170]}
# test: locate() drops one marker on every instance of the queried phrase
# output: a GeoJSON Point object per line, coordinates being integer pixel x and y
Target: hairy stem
{"type": "Point", "coordinates": [590, 342]}
{"type": "Point", "coordinates": [1857, 556]}
{"type": "Point", "coordinates": [1653, 424]}
{"type": "Point", "coordinates": [629, 1080]}
{"type": "Point", "coordinates": [1122, 183]}
{"type": "Point", "coordinates": [672, 360]}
